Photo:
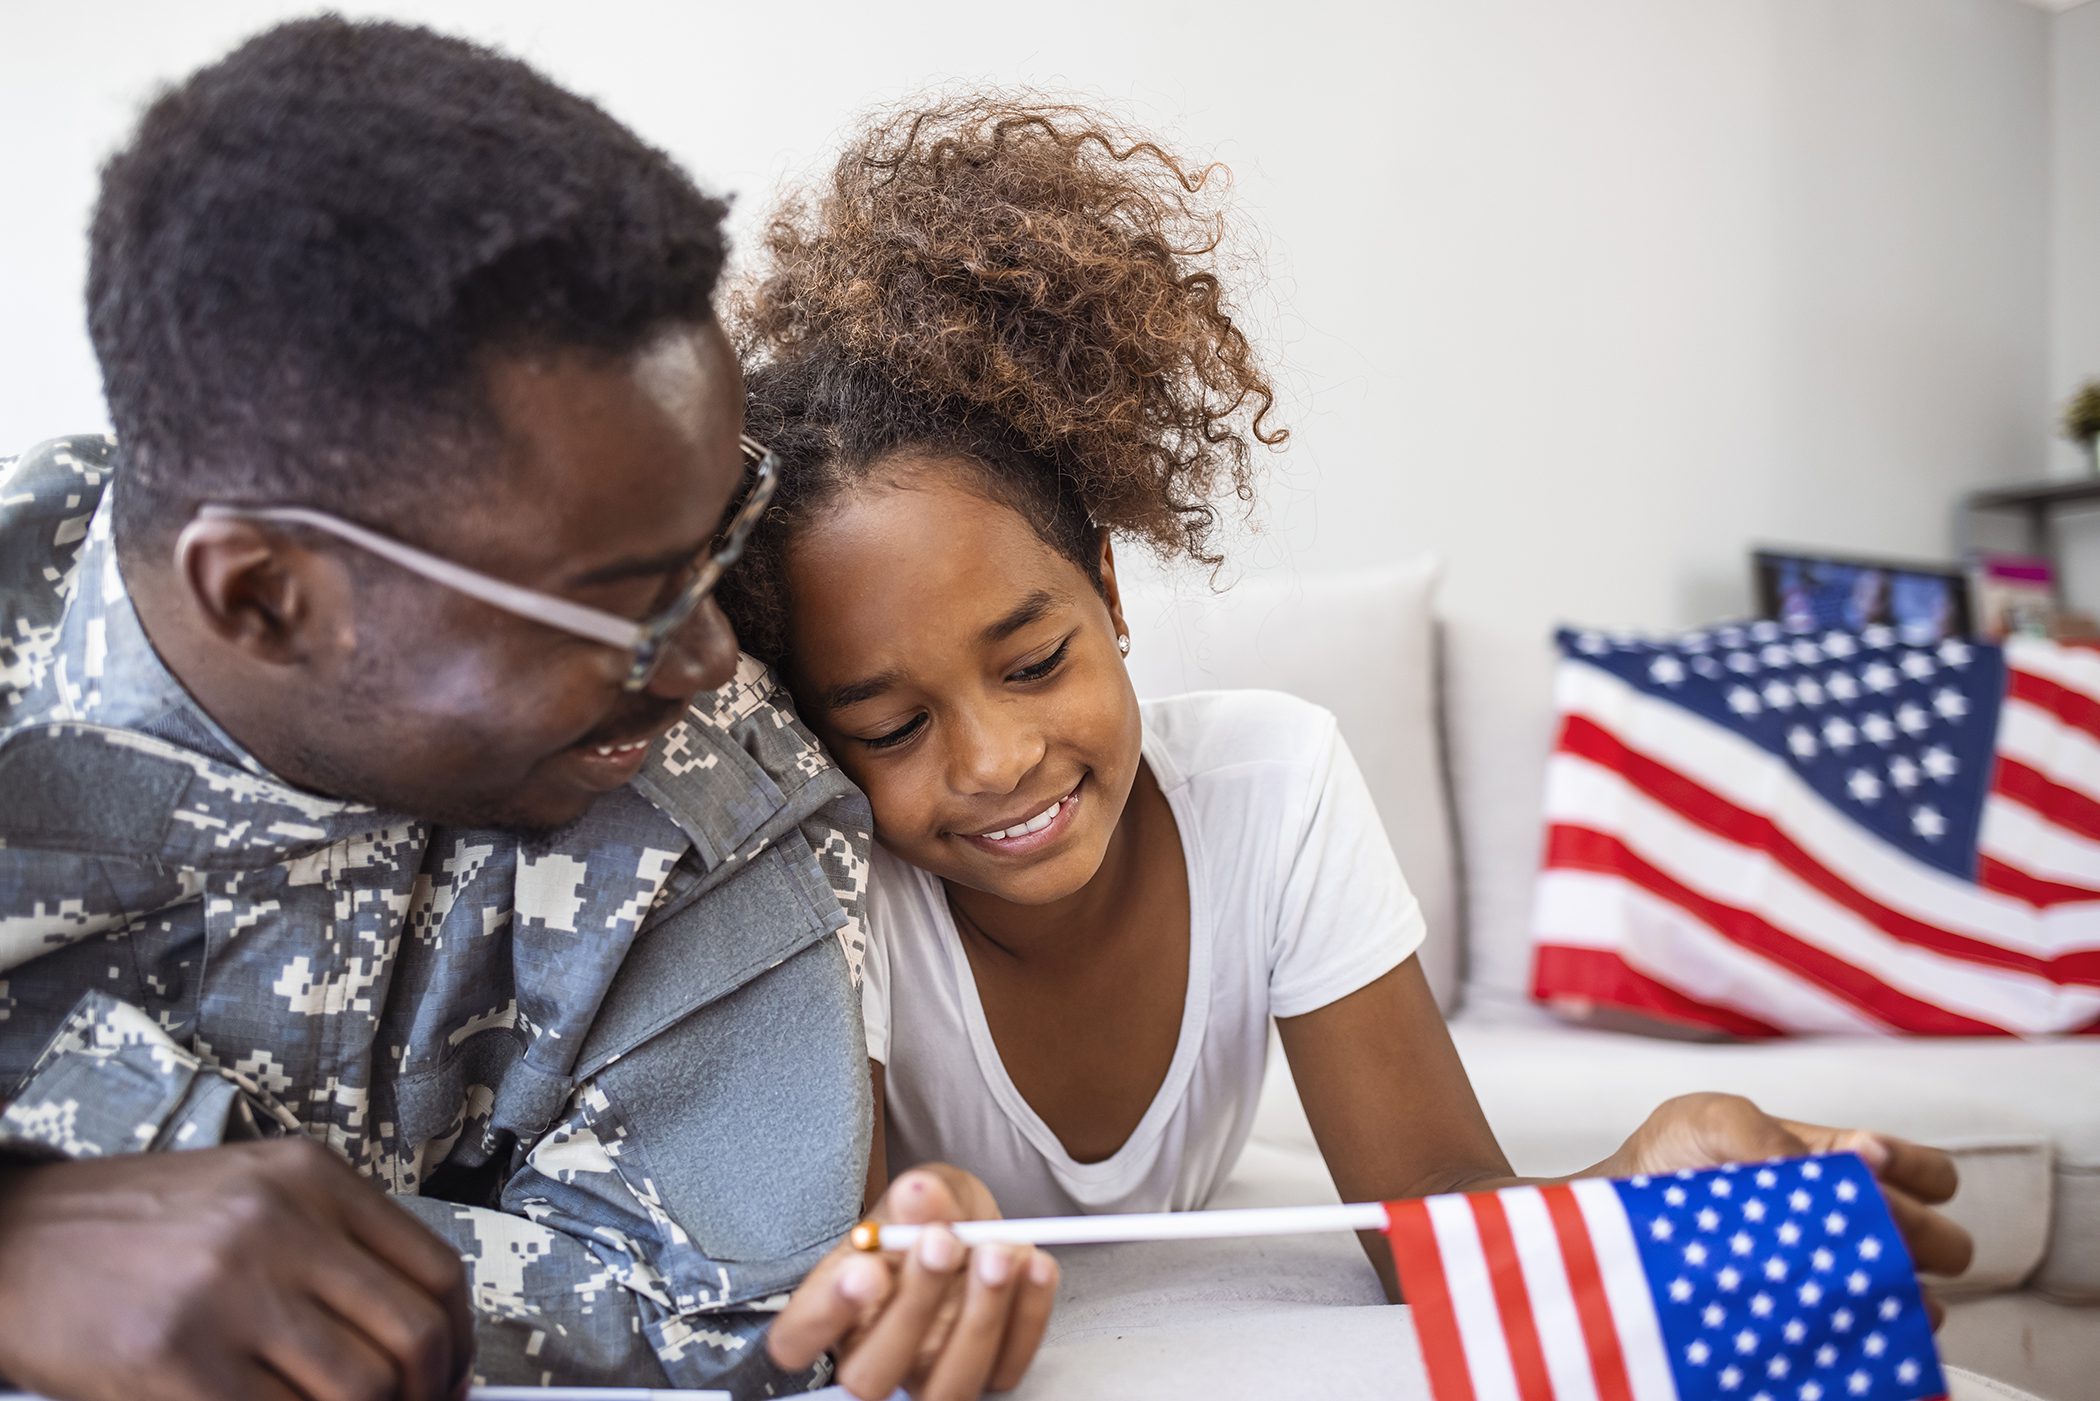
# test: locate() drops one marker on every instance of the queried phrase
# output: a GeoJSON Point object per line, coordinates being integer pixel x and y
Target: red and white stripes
{"type": "Point", "coordinates": [1531, 1294]}
{"type": "Point", "coordinates": [1692, 875]}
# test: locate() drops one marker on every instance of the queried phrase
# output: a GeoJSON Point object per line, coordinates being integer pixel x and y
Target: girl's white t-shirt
{"type": "Point", "coordinates": [1295, 901]}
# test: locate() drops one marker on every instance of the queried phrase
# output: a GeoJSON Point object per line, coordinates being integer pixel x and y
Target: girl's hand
{"type": "Point", "coordinates": [943, 1322]}
{"type": "Point", "coordinates": [1706, 1130]}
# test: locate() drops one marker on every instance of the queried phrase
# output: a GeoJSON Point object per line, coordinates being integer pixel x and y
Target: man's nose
{"type": "Point", "coordinates": [700, 656]}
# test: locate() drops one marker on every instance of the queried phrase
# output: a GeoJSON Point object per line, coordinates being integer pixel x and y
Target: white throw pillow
{"type": "Point", "coordinates": [1363, 645]}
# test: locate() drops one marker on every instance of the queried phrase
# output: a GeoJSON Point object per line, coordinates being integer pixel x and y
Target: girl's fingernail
{"type": "Point", "coordinates": [993, 1265]}
{"type": "Point", "coordinates": [862, 1280]}
{"type": "Point", "coordinates": [939, 1250]}
{"type": "Point", "coordinates": [1042, 1269]}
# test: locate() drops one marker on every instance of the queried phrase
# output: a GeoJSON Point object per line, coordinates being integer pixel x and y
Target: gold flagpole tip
{"type": "Point", "coordinates": [867, 1237]}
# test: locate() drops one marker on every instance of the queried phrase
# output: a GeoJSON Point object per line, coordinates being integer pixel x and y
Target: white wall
{"type": "Point", "coordinates": [2074, 227]}
{"type": "Point", "coordinates": [2074, 264]}
{"type": "Point", "coordinates": [1587, 295]}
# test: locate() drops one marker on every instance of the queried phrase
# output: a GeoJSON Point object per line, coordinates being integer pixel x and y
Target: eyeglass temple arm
{"type": "Point", "coordinates": [594, 623]}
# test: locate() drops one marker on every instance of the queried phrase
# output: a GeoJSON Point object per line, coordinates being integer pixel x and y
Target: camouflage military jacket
{"type": "Point", "coordinates": [621, 1069]}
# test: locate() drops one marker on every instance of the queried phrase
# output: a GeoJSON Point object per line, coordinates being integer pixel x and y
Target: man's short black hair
{"type": "Point", "coordinates": [307, 249]}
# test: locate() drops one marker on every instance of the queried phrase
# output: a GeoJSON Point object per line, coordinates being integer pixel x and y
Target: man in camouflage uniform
{"type": "Point", "coordinates": [310, 835]}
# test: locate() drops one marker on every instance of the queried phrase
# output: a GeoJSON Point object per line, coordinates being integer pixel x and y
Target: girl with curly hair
{"type": "Point", "coordinates": [991, 347]}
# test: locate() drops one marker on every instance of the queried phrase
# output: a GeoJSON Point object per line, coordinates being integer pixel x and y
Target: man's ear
{"type": "Point", "coordinates": [259, 592]}
{"type": "Point", "coordinates": [1109, 592]}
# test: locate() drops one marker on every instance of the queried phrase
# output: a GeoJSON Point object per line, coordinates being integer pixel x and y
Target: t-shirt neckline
{"type": "Point", "coordinates": [1130, 1161]}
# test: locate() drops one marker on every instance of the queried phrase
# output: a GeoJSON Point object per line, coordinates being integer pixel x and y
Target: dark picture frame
{"type": "Point", "coordinates": [1810, 590]}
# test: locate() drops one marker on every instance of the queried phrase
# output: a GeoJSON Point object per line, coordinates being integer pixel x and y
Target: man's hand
{"type": "Point", "coordinates": [264, 1270]}
{"type": "Point", "coordinates": [1706, 1130]}
{"type": "Point", "coordinates": [944, 1323]}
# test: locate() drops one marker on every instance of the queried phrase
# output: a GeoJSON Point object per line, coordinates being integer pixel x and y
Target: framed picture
{"type": "Point", "coordinates": [2012, 594]}
{"type": "Point", "coordinates": [1802, 591]}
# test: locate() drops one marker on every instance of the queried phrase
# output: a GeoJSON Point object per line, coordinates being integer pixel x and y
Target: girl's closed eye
{"type": "Point", "coordinates": [1036, 671]}
{"type": "Point", "coordinates": [892, 738]}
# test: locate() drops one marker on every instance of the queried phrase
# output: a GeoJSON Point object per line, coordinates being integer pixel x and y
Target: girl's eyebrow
{"type": "Point", "coordinates": [854, 692]}
{"type": "Point", "coordinates": [1021, 615]}
{"type": "Point", "coordinates": [1028, 610]}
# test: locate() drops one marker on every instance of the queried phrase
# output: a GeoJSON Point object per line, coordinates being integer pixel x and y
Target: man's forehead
{"type": "Point", "coordinates": [617, 457]}
{"type": "Point", "coordinates": [546, 395]}
{"type": "Point", "coordinates": [681, 370]}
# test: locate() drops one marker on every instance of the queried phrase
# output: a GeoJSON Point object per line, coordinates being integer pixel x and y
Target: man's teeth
{"type": "Point", "coordinates": [1021, 829]}
{"type": "Point", "coordinates": [610, 751]}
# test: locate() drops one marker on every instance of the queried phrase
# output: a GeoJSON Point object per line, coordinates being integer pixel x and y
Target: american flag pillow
{"type": "Point", "coordinates": [1758, 831]}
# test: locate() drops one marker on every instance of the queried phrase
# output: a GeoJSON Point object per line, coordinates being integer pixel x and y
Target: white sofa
{"type": "Point", "coordinates": [1455, 757]}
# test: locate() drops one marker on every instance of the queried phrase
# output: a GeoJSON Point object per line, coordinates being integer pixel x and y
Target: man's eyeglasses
{"type": "Point", "coordinates": [646, 641]}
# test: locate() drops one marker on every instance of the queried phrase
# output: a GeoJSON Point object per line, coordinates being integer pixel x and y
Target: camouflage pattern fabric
{"type": "Point", "coordinates": [620, 1068]}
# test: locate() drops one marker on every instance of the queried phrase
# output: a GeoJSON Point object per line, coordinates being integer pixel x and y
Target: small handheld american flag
{"type": "Point", "coordinates": [1781, 1281]}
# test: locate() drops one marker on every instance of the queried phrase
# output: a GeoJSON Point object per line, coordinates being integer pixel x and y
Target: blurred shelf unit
{"type": "Point", "coordinates": [2036, 504]}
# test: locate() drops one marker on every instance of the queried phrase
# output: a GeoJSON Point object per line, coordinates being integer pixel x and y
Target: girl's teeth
{"type": "Point", "coordinates": [1034, 824]}
{"type": "Point", "coordinates": [607, 751]}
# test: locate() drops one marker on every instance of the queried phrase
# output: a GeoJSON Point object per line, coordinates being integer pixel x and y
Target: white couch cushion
{"type": "Point", "coordinates": [1200, 1320]}
{"type": "Point", "coordinates": [1361, 644]}
{"type": "Point", "coordinates": [1498, 697]}
{"type": "Point", "coordinates": [2050, 1349]}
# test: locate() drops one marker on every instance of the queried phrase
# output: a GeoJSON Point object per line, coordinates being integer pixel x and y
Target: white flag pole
{"type": "Point", "coordinates": [1147, 1225]}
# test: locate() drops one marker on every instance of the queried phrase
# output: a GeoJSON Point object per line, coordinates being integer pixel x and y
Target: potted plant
{"type": "Point", "coordinates": [2082, 421]}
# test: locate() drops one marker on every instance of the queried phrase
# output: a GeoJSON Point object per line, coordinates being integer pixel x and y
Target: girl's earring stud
{"type": "Point", "coordinates": [1123, 643]}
